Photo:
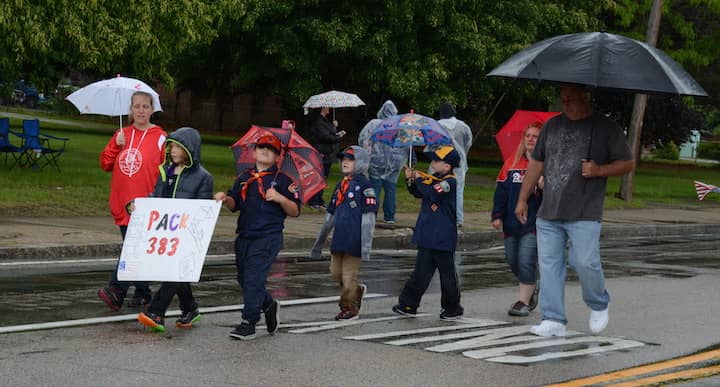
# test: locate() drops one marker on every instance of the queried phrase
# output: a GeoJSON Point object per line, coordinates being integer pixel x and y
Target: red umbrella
{"type": "Point", "coordinates": [510, 135]}
{"type": "Point", "coordinates": [298, 159]}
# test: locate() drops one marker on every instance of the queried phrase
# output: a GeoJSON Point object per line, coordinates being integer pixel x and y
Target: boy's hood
{"type": "Point", "coordinates": [362, 160]}
{"type": "Point", "coordinates": [189, 139]}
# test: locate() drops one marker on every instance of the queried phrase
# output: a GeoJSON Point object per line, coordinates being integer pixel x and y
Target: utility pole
{"type": "Point", "coordinates": [638, 114]}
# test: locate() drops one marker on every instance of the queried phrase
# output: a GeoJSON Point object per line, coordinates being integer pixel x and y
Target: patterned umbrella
{"type": "Point", "coordinates": [333, 99]}
{"type": "Point", "coordinates": [408, 130]}
{"type": "Point", "coordinates": [298, 159]}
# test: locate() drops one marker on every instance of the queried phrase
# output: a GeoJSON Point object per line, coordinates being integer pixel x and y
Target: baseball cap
{"type": "Point", "coordinates": [349, 153]}
{"type": "Point", "coordinates": [445, 153]}
{"type": "Point", "coordinates": [269, 141]}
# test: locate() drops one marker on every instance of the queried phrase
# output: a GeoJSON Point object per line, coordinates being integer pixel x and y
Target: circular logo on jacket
{"type": "Point", "coordinates": [130, 161]}
{"type": "Point", "coordinates": [351, 195]}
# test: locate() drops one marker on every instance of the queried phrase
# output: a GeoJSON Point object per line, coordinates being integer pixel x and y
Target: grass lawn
{"type": "Point", "coordinates": [82, 188]}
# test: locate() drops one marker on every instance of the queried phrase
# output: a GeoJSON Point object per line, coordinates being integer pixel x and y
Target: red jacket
{"type": "Point", "coordinates": [132, 177]}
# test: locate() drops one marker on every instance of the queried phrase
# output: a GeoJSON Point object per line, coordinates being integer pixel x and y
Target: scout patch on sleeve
{"type": "Point", "coordinates": [369, 193]}
{"type": "Point", "coordinates": [370, 199]}
{"type": "Point", "coordinates": [295, 190]}
{"type": "Point", "coordinates": [442, 186]}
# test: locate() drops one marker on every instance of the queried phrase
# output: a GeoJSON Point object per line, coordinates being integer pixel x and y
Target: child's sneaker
{"type": "Point", "coordinates": [405, 310]}
{"type": "Point", "coordinates": [519, 309]}
{"type": "Point", "coordinates": [449, 316]}
{"type": "Point", "coordinates": [152, 321]}
{"type": "Point", "coordinates": [272, 317]}
{"type": "Point", "coordinates": [110, 298]}
{"type": "Point", "coordinates": [244, 331]}
{"type": "Point", "coordinates": [139, 301]}
{"type": "Point", "coordinates": [363, 290]}
{"type": "Point", "coordinates": [187, 319]}
{"type": "Point", "coordinates": [346, 315]}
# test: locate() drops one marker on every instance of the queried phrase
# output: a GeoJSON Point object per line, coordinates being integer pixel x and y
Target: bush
{"type": "Point", "coordinates": [709, 150]}
{"type": "Point", "coordinates": [669, 151]}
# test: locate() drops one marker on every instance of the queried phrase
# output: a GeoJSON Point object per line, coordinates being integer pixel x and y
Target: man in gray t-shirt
{"type": "Point", "coordinates": [576, 152]}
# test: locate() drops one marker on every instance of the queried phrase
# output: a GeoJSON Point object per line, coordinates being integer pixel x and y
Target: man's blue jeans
{"type": "Point", "coordinates": [253, 259]}
{"type": "Point", "coordinates": [522, 257]}
{"type": "Point", "coordinates": [584, 257]}
{"type": "Point", "coordinates": [388, 202]}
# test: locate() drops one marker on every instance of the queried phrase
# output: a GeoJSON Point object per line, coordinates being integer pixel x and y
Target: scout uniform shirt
{"type": "Point", "coordinates": [258, 217]}
{"type": "Point", "coordinates": [436, 226]}
{"type": "Point", "coordinates": [353, 196]}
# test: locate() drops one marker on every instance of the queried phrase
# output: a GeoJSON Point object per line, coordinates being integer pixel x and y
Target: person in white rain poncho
{"type": "Point", "coordinates": [385, 161]}
{"type": "Point", "coordinates": [461, 140]}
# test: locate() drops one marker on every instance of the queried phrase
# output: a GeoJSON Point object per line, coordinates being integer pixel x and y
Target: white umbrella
{"type": "Point", "coordinates": [333, 99]}
{"type": "Point", "coordinates": [111, 97]}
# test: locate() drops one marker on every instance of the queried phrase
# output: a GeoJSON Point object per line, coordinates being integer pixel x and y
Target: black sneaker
{"type": "Point", "coordinates": [110, 297]}
{"type": "Point", "coordinates": [152, 321]}
{"type": "Point", "coordinates": [404, 310]}
{"type": "Point", "coordinates": [534, 299]}
{"type": "Point", "coordinates": [244, 331]}
{"type": "Point", "coordinates": [187, 319]}
{"type": "Point", "coordinates": [449, 316]}
{"type": "Point", "coordinates": [363, 290]}
{"type": "Point", "coordinates": [272, 317]}
{"type": "Point", "coordinates": [519, 309]}
{"type": "Point", "coordinates": [139, 301]}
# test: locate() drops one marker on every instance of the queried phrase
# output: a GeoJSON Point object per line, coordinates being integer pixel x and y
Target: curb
{"type": "Point", "coordinates": [466, 240]}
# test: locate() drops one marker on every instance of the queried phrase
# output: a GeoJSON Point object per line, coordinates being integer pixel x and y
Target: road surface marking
{"type": "Point", "coordinates": [445, 328]}
{"type": "Point", "coordinates": [131, 317]}
{"type": "Point", "coordinates": [680, 375]}
{"type": "Point", "coordinates": [641, 370]}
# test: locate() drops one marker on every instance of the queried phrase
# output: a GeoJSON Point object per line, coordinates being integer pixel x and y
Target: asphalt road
{"type": "Point", "coordinates": [664, 306]}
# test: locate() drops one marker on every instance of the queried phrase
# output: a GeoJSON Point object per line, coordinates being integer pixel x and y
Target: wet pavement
{"type": "Point", "coordinates": [63, 296]}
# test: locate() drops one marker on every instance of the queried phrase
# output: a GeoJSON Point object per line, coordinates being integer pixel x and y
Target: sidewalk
{"type": "Point", "coordinates": [75, 237]}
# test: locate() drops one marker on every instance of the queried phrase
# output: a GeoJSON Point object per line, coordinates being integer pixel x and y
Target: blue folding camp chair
{"type": "Point", "coordinates": [6, 146]}
{"type": "Point", "coordinates": [37, 149]}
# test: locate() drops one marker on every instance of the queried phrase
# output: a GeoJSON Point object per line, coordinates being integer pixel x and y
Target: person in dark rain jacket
{"type": "Point", "coordinates": [181, 177]}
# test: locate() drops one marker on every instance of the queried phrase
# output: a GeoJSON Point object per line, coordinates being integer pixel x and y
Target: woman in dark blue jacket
{"type": "Point", "coordinates": [520, 239]}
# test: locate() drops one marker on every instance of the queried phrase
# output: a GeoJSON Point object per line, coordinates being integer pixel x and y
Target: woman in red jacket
{"type": "Point", "coordinates": [132, 155]}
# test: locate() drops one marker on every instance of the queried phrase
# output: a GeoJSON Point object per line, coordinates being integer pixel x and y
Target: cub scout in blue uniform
{"type": "Point", "coordinates": [435, 235]}
{"type": "Point", "coordinates": [352, 212]}
{"type": "Point", "coordinates": [264, 196]}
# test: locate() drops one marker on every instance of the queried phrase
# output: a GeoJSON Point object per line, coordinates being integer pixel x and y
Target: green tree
{"type": "Point", "coordinates": [43, 40]}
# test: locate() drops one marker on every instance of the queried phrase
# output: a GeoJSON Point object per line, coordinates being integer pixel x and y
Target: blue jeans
{"type": "Point", "coordinates": [390, 188]}
{"type": "Point", "coordinates": [583, 257]}
{"type": "Point", "coordinates": [426, 262]}
{"type": "Point", "coordinates": [253, 259]}
{"type": "Point", "coordinates": [522, 257]}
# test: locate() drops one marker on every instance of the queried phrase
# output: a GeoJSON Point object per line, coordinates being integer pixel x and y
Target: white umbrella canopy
{"type": "Point", "coordinates": [111, 97]}
{"type": "Point", "coordinates": [333, 99]}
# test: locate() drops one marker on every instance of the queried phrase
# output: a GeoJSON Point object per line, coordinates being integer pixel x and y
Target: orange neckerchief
{"type": "Point", "coordinates": [343, 189]}
{"type": "Point", "coordinates": [256, 176]}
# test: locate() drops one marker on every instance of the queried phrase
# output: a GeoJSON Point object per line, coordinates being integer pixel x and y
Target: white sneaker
{"type": "Point", "coordinates": [598, 320]}
{"type": "Point", "coordinates": [548, 328]}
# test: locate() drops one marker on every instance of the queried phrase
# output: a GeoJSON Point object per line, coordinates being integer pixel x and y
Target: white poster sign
{"type": "Point", "coordinates": [167, 239]}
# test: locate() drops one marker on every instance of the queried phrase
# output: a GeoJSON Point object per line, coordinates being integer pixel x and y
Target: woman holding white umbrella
{"type": "Point", "coordinates": [132, 156]}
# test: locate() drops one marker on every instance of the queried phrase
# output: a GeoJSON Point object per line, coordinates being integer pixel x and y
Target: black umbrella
{"type": "Point", "coordinates": [600, 60]}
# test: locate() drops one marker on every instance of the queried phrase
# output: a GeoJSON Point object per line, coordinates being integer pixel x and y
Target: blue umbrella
{"type": "Point", "coordinates": [408, 130]}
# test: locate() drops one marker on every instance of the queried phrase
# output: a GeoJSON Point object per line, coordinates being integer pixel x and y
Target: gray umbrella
{"type": "Point", "coordinates": [600, 60]}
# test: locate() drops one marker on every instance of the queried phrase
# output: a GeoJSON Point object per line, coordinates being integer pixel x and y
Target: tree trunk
{"type": "Point", "coordinates": [638, 114]}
